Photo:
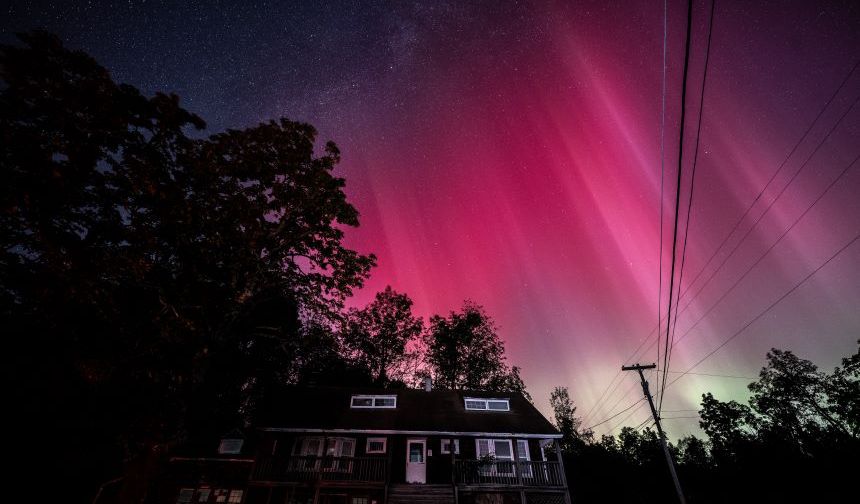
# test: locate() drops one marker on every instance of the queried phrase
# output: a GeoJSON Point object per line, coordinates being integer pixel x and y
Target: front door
{"type": "Point", "coordinates": [416, 461]}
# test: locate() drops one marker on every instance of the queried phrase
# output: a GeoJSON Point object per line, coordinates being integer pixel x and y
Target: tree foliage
{"type": "Point", "coordinates": [796, 441]}
{"type": "Point", "coordinates": [377, 335]}
{"type": "Point", "coordinates": [464, 352]}
{"type": "Point", "coordinates": [566, 421]}
{"type": "Point", "coordinates": [135, 256]}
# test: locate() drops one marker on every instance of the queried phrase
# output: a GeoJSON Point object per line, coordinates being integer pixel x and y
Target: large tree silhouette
{"type": "Point", "coordinates": [135, 256]}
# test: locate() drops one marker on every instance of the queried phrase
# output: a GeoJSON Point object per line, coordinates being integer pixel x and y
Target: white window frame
{"type": "Point", "coordinates": [373, 401]}
{"type": "Point", "coordinates": [525, 456]}
{"type": "Point", "coordinates": [483, 404]}
{"type": "Point", "coordinates": [493, 470]}
{"type": "Point", "coordinates": [231, 446]}
{"type": "Point", "coordinates": [382, 440]}
{"type": "Point", "coordinates": [445, 451]}
{"type": "Point", "coordinates": [183, 494]}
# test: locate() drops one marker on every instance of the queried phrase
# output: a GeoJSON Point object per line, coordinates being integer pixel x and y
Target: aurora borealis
{"type": "Point", "coordinates": [509, 153]}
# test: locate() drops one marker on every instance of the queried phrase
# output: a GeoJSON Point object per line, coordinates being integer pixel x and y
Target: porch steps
{"type": "Point", "coordinates": [405, 493]}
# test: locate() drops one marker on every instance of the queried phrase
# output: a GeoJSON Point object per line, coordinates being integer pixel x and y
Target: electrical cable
{"type": "Point", "coordinates": [690, 200]}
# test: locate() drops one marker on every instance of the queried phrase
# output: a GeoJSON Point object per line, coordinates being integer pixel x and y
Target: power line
{"type": "Point", "coordinates": [778, 196]}
{"type": "Point", "coordinates": [644, 341]}
{"type": "Point", "coordinates": [641, 424]}
{"type": "Point", "coordinates": [690, 200]}
{"type": "Point", "coordinates": [716, 376]}
{"type": "Point", "coordinates": [680, 173]}
{"type": "Point", "coordinates": [662, 170]}
{"type": "Point", "coordinates": [662, 176]}
{"type": "Point", "coordinates": [775, 173]}
{"type": "Point", "coordinates": [771, 306]}
{"type": "Point", "coordinates": [606, 392]}
{"type": "Point", "coordinates": [615, 415]}
{"type": "Point", "coordinates": [774, 244]}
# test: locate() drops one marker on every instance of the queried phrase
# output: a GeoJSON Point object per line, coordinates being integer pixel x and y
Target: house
{"type": "Point", "coordinates": [372, 446]}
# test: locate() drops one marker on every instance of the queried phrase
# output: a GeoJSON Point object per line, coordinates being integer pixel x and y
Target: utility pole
{"type": "Point", "coordinates": [647, 392]}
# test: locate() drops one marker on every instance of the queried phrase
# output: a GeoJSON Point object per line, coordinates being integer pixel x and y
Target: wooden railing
{"type": "Point", "coordinates": [357, 469]}
{"type": "Point", "coordinates": [504, 472]}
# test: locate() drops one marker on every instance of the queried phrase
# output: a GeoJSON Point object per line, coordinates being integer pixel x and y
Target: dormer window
{"type": "Point", "coordinates": [230, 446]}
{"type": "Point", "coordinates": [479, 404]}
{"type": "Point", "coordinates": [373, 401]}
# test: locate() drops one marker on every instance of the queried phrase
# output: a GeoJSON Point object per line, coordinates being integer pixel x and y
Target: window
{"type": "Point", "coordinates": [203, 494]}
{"type": "Point", "coordinates": [235, 496]}
{"type": "Point", "coordinates": [308, 447]}
{"type": "Point", "coordinates": [501, 451]}
{"type": "Point", "coordinates": [230, 446]}
{"type": "Point", "coordinates": [416, 452]}
{"type": "Point", "coordinates": [359, 500]}
{"type": "Point", "coordinates": [375, 445]}
{"type": "Point", "coordinates": [185, 495]}
{"type": "Point", "coordinates": [477, 404]}
{"type": "Point", "coordinates": [523, 455]}
{"type": "Point", "coordinates": [220, 495]}
{"type": "Point", "coordinates": [374, 401]}
{"type": "Point", "coordinates": [446, 446]}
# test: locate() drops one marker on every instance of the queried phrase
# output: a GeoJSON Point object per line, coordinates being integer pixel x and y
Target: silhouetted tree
{"type": "Point", "coordinates": [465, 352]}
{"type": "Point", "coordinates": [133, 257]}
{"type": "Point", "coordinates": [377, 335]}
{"type": "Point", "coordinates": [564, 414]}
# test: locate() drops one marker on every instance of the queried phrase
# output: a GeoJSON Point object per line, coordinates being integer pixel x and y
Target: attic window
{"type": "Point", "coordinates": [374, 401]}
{"type": "Point", "coordinates": [230, 446]}
{"type": "Point", "coordinates": [477, 404]}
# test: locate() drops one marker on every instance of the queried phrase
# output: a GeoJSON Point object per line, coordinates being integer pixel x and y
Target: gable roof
{"type": "Point", "coordinates": [327, 409]}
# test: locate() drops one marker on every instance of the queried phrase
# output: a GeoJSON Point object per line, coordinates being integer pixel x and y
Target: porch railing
{"type": "Point", "coordinates": [504, 472]}
{"type": "Point", "coordinates": [355, 469]}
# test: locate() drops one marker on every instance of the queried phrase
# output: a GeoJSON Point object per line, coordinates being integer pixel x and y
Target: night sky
{"type": "Point", "coordinates": [509, 153]}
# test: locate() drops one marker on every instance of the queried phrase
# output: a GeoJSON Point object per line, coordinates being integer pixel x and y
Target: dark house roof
{"type": "Point", "coordinates": [327, 409]}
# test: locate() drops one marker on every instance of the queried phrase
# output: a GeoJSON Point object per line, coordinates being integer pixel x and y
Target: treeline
{"type": "Point", "coordinates": [797, 440]}
{"type": "Point", "coordinates": [155, 283]}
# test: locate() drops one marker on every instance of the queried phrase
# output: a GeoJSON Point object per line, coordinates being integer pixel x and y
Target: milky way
{"type": "Point", "coordinates": [510, 154]}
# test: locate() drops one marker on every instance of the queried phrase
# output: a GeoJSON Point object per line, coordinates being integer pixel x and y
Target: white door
{"type": "Point", "coordinates": [416, 461]}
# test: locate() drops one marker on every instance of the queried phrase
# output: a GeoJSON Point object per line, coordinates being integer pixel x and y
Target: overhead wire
{"type": "Point", "coordinates": [690, 199]}
{"type": "Point", "coordinates": [662, 175]}
{"type": "Point", "coordinates": [615, 415]}
{"type": "Point", "coordinates": [740, 331]}
{"type": "Point", "coordinates": [770, 307]}
{"type": "Point", "coordinates": [775, 243]}
{"type": "Point", "coordinates": [682, 130]}
{"type": "Point", "coordinates": [613, 384]}
{"type": "Point", "coordinates": [773, 176]}
{"type": "Point", "coordinates": [823, 140]}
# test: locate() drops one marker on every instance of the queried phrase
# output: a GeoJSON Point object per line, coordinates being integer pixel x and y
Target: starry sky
{"type": "Point", "coordinates": [510, 153]}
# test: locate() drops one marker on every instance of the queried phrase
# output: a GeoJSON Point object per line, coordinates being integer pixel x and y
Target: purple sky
{"type": "Point", "coordinates": [510, 154]}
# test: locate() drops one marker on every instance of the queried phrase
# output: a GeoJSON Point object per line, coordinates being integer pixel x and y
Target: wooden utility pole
{"type": "Point", "coordinates": [647, 392]}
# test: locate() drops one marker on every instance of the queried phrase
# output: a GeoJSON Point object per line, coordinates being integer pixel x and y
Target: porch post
{"type": "Point", "coordinates": [452, 450]}
{"type": "Point", "coordinates": [519, 470]}
{"type": "Point", "coordinates": [557, 447]}
{"type": "Point", "coordinates": [389, 447]}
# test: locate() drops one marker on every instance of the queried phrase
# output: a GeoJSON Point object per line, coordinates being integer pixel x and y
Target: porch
{"type": "Point", "coordinates": [375, 470]}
